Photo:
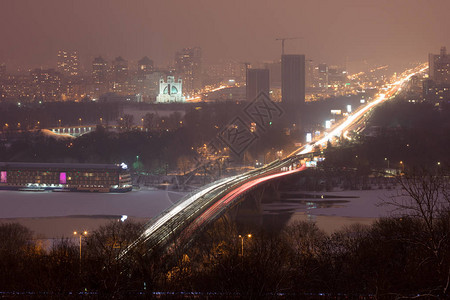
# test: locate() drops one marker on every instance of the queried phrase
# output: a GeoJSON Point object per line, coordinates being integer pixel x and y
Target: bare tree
{"type": "Point", "coordinates": [425, 196]}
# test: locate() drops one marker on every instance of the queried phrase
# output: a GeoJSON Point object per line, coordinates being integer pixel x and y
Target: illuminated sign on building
{"type": "Point", "coordinates": [62, 178]}
{"type": "Point", "coordinates": [3, 177]}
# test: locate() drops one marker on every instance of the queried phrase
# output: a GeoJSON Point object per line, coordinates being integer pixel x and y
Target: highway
{"type": "Point", "coordinates": [183, 221]}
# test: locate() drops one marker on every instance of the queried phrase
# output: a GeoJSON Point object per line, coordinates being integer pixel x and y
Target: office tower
{"type": "Point", "coordinates": [258, 81]}
{"type": "Point", "coordinates": [145, 66]}
{"type": "Point", "coordinates": [68, 63]}
{"type": "Point", "coordinates": [439, 70]}
{"type": "Point", "coordinates": [293, 80]}
{"type": "Point", "coordinates": [99, 70]}
{"type": "Point", "coordinates": [188, 66]}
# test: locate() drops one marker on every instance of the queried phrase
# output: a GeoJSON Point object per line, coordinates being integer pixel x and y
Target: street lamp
{"type": "Point", "coordinates": [242, 242]}
{"type": "Point", "coordinates": [59, 121]}
{"type": "Point", "coordinates": [79, 121]}
{"type": "Point", "coordinates": [386, 159]}
{"type": "Point", "coordinates": [80, 234]}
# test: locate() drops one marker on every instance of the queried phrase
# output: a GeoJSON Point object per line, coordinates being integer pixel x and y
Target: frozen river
{"type": "Point", "coordinates": [57, 214]}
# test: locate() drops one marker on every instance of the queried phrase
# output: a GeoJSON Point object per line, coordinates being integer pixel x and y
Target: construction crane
{"type": "Point", "coordinates": [282, 42]}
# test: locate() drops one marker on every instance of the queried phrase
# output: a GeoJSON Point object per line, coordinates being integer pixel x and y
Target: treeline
{"type": "Point", "coordinates": [398, 257]}
{"type": "Point", "coordinates": [166, 141]}
{"type": "Point", "coordinates": [53, 114]}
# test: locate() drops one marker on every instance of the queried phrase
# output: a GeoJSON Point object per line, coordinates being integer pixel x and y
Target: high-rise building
{"type": "Point", "coordinates": [188, 66]}
{"type": "Point", "coordinates": [68, 63]}
{"type": "Point", "coordinates": [323, 76]}
{"type": "Point", "coordinates": [145, 66]}
{"type": "Point", "coordinates": [119, 69]}
{"type": "Point", "coordinates": [99, 70]}
{"type": "Point", "coordinates": [439, 70]}
{"type": "Point", "coordinates": [120, 75]}
{"type": "Point", "coordinates": [258, 80]}
{"type": "Point", "coordinates": [309, 74]}
{"type": "Point", "coordinates": [293, 79]}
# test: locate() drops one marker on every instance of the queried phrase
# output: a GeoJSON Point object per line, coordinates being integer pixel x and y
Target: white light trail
{"type": "Point", "coordinates": [351, 118]}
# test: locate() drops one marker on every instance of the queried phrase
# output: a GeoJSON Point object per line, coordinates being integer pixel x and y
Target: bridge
{"type": "Point", "coordinates": [75, 131]}
{"type": "Point", "coordinates": [187, 218]}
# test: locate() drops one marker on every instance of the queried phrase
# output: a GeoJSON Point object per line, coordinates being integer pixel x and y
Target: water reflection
{"type": "Point", "coordinates": [329, 211]}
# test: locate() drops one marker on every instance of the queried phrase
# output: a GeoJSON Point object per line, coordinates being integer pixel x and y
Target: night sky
{"type": "Point", "coordinates": [382, 31]}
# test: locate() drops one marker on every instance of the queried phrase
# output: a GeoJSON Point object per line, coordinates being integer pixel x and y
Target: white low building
{"type": "Point", "coordinates": [170, 91]}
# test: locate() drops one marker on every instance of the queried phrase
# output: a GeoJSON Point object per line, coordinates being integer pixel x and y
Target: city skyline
{"type": "Point", "coordinates": [338, 32]}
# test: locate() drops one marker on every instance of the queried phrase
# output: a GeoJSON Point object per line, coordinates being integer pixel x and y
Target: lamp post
{"type": "Point", "coordinates": [80, 234]}
{"type": "Point", "coordinates": [386, 159]}
{"type": "Point", "coordinates": [242, 242]}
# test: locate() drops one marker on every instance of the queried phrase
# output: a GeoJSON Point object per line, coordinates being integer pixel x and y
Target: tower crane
{"type": "Point", "coordinates": [284, 39]}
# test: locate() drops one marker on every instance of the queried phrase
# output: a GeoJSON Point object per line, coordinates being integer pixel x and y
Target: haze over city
{"type": "Point", "coordinates": [379, 32]}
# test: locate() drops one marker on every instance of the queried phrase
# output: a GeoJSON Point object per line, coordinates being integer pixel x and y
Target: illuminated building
{"type": "Point", "coordinates": [188, 66]}
{"type": "Point", "coordinates": [47, 83]}
{"type": "Point", "coordinates": [257, 81]}
{"type": "Point", "coordinates": [170, 91]}
{"type": "Point", "coordinates": [437, 87]}
{"type": "Point", "coordinates": [99, 70]}
{"type": "Point", "coordinates": [439, 70]}
{"type": "Point", "coordinates": [120, 75]}
{"type": "Point", "coordinates": [337, 76]}
{"type": "Point", "coordinates": [18, 87]}
{"type": "Point", "coordinates": [323, 76]}
{"type": "Point", "coordinates": [293, 79]}
{"type": "Point", "coordinates": [145, 66]}
{"type": "Point", "coordinates": [148, 86]}
{"type": "Point", "coordinates": [99, 76]}
{"type": "Point", "coordinates": [69, 177]}
{"type": "Point", "coordinates": [68, 63]}
{"type": "Point", "coordinates": [310, 79]}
